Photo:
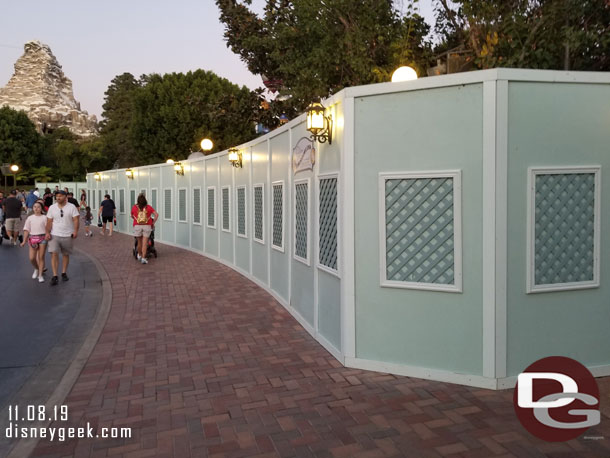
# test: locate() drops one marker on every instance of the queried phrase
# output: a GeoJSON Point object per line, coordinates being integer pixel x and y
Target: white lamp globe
{"type": "Point", "coordinates": [403, 74]}
{"type": "Point", "coordinates": [206, 144]}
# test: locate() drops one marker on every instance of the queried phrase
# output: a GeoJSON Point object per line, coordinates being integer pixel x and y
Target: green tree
{"type": "Point", "coordinates": [115, 127]}
{"type": "Point", "coordinates": [314, 48]}
{"type": "Point", "coordinates": [42, 174]}
{"type": "Point", "coordinates": [20, 142]}
{"type": "Point", "coordinates": [546, 34]}
{"type": "Point", "coordinates": [174, 111]}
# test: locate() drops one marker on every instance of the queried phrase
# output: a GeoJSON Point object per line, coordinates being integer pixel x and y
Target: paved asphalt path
{"type": "Point", "coordinates": [41, 325]}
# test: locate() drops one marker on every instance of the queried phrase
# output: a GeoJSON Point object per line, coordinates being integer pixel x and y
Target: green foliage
{"type": "Point", "coordinates": [315, 48]}
{"type": "Point", "coordinates": [173, 112]}
{"type": "Point", "coordinates": [42, 174]}
{"type": "Point", "coordinates": [115, 127]}
{"type": "Point", "coordinates": [20, 143]}
{"type": "Point", "coordinates": [546, 34]}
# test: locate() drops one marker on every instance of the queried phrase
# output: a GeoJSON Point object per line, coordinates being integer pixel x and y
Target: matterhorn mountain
{"type": "Point", "coordinates": [40, 88]}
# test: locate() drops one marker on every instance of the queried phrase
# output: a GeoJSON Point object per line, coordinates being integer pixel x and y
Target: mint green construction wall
{"type": "Point", "coordinates": [226, 238]}
{"type": "Point", "coordinates": [242, 244]}
{"type": "Point", "coordinates": [197, 175]}
{"type": "Point", "coordinates": [554, 124]}
{"type": "Point", "coordinates": [426, 130]}
{"type": "Point", "coordinates": [211, 179]}
{"type": "Point", "coordinates": [260, 159]}
{"type": "Point", "coordinates": [280, 168]}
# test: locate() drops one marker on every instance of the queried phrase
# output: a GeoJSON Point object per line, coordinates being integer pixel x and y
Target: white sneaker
{"type": "Point", "coordinates": [35, 274]}
{"type": "Point", "coordinates": [86, 235]}
{"type": "Point", "coordinates": [139, 257]}
{"type": "Point", "coordinates": [144, 261]}
{"type": "Point", "coordinates": [41, 279]}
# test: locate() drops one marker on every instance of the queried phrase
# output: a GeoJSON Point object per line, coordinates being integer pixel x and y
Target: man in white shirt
{"type": "Point", "coordinates": [62, 229]}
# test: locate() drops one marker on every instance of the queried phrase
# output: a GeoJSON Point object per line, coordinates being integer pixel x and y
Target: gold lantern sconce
{"type": "Point", "coordinates": [130, 173]}
{"type": "Point", "coordinates": [235, 158]}
{"type": "Point", "coordinates": [320, 125]}
{"type": "Point", "coordinates": [179, 168]}
{"type": "Point", "coordinates": [97, 177]}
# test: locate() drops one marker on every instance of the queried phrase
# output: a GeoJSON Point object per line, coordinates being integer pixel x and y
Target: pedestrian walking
{"type": "Point", "coordinates": [34, 232]}
{"type": "Point", "coordinates": [88, 217]}
{"type": "Point", "coordinates": [72, 200]}
{"type": "Point", "coordinates": [29, 202]}
{"type": "Point", "coordinates": [48, 199]}
{"type": "Point", "coordinates": [62, 229]}
{"type": "Point", "coordinates": [144, 218]}
{"type": "Point", "coordinates": [12, 216]}
{"type": "Point", "coordinates": [107, 212]}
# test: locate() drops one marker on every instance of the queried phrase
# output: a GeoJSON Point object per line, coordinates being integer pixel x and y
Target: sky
{"type": "Point", "coordinates": [95, 41]}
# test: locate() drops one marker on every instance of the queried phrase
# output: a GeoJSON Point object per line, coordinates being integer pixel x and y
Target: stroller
{"type": "Point", "coordinates": [150, 251]}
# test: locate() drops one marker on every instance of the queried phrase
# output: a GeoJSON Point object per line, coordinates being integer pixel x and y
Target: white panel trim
{"type": "Point", "coordinates": [222, 210]}
{"type": "Point", "coordinates": [193, 189]}
{"type": "Point", "coordinates": [307, 260]}
{"type": "Point", "coordinates": [273, 245]}
{"type": "Point", "coordinates": [531, 286]}
{"type": "Point", "coordinates": [245, 234]}
{"type": "Point", "coordinates": [334, 272]}
{"type": "Point", "coordinates": [456, 176]}
{"type": "Point", "coordinates": [262, 186]}
{"type": "Point", "coordinates": [207, 207]}
{"type": "Point", "coordinates": [171, 208]}
{"type": "Point", "coordinates": [186, 208]}
{"type": "Point", "coordinates": [422, 373]}
{"type": "Point", "coordinates": [157, 202]}
{"type": "Point", "coordinates": [348, 230]}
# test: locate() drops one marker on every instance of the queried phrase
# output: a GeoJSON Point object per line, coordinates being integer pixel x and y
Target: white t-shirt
{"type": "Point", "coordinates": [62, 226]}
{"type": "Point", "coordinates": [36, 224]}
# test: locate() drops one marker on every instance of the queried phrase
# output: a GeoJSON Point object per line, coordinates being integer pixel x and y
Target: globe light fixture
{"type": "Point", "coordinates": [179, 168]}
{"type": "Point", "coordinates": [235, 158]}
{"type": "Point", "coordinates": [320, 126]}
{"type": "Point", "coordinates": [170, 162]}
{"type": "Point", "coordinates": [207, 145]}
{"type": "Point", "coordinates": [404, 74]}
{"type": "Point", "coordinates": [14, 168]}
{"type": "Point", "coordinates": [97, 177]}
{"type": "Point", "coordinates": [129, 173]}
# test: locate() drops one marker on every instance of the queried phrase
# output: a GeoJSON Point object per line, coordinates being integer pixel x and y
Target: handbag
{"type": "Point", "coordinates": [99, 222]}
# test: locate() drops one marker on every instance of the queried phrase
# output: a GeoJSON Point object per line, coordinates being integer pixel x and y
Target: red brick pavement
{"type": "Point", "coordinates": [199, 361]}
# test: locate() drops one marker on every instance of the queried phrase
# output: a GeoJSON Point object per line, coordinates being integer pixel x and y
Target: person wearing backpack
{"type": "Point", "coordinates": [144, 218]}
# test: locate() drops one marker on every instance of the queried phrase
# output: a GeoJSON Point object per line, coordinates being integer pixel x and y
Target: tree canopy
{"type": "Point", "coordinates": [20, 142]}
{"type": "Point", "coordinates": [314, 48]}
{"type": "Point", "coordinates": [544, 34]}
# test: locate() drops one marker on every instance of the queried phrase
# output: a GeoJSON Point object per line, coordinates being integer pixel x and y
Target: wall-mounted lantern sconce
{"type": "Point", "coordinates": [206, 145]}
{"type": "Point", "coordinates": [320, 126]}
{"type": "Point", "coordinates": [129, 174]}
{"type": "Point", "coordinates": [170, 162]}
{"type": "Point", "coordinates": [179, 168]}
{"type": "Point", "coordinates": [235, 158]}
{"type": "Point", "coordinates": [97, 177]}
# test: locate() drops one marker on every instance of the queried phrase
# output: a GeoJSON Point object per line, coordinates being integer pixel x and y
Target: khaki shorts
{"type": "Point", "coordinates": [12, 224]}
{"type": "Point", "coordinates": [60, 244]}
{"type": "Point", "coordinates": [140, 230]}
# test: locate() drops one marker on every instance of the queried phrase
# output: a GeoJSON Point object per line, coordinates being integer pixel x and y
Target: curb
{"type": "Point", "coordinates": [24, 447]}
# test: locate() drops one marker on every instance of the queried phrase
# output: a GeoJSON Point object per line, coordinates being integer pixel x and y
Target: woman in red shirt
{"type": "Point", "coordinates": [144, 217]}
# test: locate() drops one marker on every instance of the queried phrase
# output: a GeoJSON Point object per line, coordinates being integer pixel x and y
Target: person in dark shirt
{"type": "Point", "coordinates": [107, 212]}
{"type": "Point", "coordinates": [72, 200]}
{"type": "Point", "coordinates": [12, 215]}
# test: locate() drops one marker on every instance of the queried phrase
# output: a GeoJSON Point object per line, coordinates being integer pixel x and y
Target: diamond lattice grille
{"type": "Point", "coordinates": [182, 205]}
{"type": "Point", "coordinates": [241, 211]}
{"type": "Point", "coordinates": [226, 222]}
{"type": "Point", "coordinates": [258, 212]}
{"type": "Point", "coordinates": [419, 230]}
{"type": "Point", "coordinates": [301, 215]}
{"type": "Point", "coordinates": [211, 207]}
{"type": "Point", "coordinates": [564, 228]}
{"type": "Point", "coordinates": [197, 206]}
{"type": "Point", "coordinates": [122, 200]}
{"type": "Point", "coordinates": [328, 222]}
{"type": "Point", "coordinates": [278, 208]}
{"type": "Point", "coordinates": [167, 204]}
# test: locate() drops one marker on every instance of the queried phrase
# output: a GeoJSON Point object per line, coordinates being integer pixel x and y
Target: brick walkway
{"type": "Point", "coordinates": [199, 361]}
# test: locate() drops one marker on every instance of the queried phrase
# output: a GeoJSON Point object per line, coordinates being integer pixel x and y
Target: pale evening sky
{"type": "Point", "coordinates": [95, 41]}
